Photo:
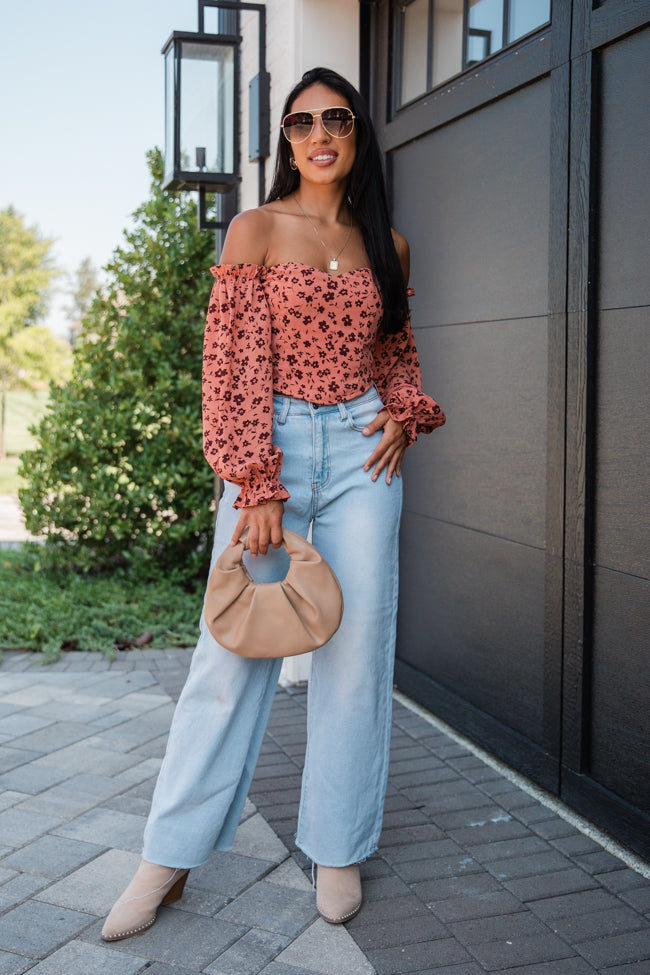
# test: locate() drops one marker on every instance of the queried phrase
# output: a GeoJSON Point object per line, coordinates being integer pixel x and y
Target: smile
{"type": "Point", "coordinates": [324, 157]}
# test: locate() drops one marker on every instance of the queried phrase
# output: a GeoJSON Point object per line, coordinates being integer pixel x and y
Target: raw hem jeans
{"type": "Point", "coordinates": [223, 709]}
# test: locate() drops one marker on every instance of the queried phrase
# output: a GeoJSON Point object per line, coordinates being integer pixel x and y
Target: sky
{"type": "Point", "coordinates": [81, 102]}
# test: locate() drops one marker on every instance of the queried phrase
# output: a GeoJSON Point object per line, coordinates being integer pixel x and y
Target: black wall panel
{"type": "Point", "coordinates": [622, 393]}
{"type": "Point", "coordinates": [472, 593]}
{"type": "Point", "coordinates": [623, 161]}
{"type": "Point", "coordinates": [478, 630]}
{"type": "Point", "coordinates": [619, 741]}
{"type": "Point", "coordinates": [622, 491]}
{"type": "Point", "coordinates": [463, 196]}
{"type": "Point", "coordinates": [486, 468]}
{"type": "Point", "coordinates": [620, 717]}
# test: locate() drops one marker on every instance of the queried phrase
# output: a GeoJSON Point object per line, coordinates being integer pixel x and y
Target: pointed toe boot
{"type": "Point", "coordinates": [338, 893]}
{"type": "Point", "coordinates": [136, 909]}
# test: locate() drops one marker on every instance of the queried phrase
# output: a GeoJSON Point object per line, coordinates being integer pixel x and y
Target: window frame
{"type": "Point", "coordinates": [396, 38]}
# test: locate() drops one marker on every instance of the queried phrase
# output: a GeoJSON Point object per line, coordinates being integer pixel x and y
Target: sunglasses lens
{"type": "Point", "coordinates": [298, 126]}
{"type": "Point", "coordinates": [338, 122]}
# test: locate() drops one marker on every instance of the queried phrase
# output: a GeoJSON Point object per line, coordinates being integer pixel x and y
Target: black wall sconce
{"type": "Point", "coordinates": [202, 111]}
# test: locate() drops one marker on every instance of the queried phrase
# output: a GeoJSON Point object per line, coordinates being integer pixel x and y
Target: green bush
{"type": "Point", "coordinates": [118, 475]}
{"type": "Point", "coordinates": [48, 610]}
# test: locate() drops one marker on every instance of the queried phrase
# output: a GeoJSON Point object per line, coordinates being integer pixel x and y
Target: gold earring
{"type": "Point", "coordinates": [293, 163]}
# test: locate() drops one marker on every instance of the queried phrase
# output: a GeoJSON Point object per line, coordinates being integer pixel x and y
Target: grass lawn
{"type": "Point", "coordinates": [23, 409]}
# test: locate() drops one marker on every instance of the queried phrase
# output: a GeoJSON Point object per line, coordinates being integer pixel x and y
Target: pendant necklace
{"type": "Point", "coordinates": [334, 262]}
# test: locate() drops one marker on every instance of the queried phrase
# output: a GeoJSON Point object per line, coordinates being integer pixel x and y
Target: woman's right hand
{"type": "Point", "coordinates": [264, 523]}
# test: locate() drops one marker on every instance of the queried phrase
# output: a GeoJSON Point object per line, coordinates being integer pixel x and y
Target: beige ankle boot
{"type": "Point", "coordinates": [135, 911]}
{"type": "Point", "coordinates": [338, 893]}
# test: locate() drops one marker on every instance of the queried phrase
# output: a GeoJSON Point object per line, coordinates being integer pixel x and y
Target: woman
{"type": "Point", "coordinates": [311, 375]}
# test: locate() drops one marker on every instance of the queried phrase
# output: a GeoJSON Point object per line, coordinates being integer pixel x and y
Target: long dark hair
{"type": "Point", "coordinates": [367, 191]}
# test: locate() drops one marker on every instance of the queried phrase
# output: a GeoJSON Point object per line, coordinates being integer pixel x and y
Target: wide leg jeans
{"type": "Point", "coordinates": [219, 723]}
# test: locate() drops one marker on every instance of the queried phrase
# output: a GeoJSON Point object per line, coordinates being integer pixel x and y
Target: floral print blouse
{"type": "Point", "coordinates": [299, 331]}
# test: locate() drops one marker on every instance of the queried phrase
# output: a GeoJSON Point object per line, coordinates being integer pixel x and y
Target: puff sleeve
{"type": "Point", "coordinates": [238, 386]}
{"type": "Point", "coordinates": [398, 379]}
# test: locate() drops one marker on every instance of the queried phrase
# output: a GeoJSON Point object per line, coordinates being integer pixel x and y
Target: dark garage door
{"type": "Point", "coordinates": [522, 187]}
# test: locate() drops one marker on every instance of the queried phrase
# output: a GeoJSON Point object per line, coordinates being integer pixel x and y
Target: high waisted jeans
{"type": "Point", "coordinates": [223, 709]}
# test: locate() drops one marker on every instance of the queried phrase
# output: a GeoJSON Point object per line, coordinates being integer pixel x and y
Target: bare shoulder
{"type": "Point", "coordinates": [402, 248]}
{"type": "Point", "coordinates": [247, 238]}
{"type": "Point", "coordinates": [403, 253]}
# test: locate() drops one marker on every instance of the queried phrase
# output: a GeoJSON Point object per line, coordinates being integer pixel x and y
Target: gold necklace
{"type": "Point", "coordinates": [334, 262]}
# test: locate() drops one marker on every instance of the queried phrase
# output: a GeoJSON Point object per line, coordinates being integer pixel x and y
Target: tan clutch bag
{"type": "Point", "coordinates": [273, 619]}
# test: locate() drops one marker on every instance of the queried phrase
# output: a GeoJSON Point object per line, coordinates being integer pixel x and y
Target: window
{"type": "Point", "coordinates": [436, 39]}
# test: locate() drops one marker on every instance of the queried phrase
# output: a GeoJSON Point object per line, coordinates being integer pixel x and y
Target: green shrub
{"type": "Point", "coordinates": [50, 610]}
{"type": "Point", "coordinates": [118, 474]}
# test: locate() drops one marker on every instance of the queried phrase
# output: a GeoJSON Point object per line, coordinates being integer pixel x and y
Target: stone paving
{"type": "Point", "coordinates": [474, 874]}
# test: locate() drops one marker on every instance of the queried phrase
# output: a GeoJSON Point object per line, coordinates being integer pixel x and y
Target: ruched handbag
{"type": "Point", "coordinates": [273, 619]}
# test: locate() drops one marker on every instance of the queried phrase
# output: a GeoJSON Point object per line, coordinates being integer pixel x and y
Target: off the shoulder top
{"type": "Point", "coordinates": [300, 331]}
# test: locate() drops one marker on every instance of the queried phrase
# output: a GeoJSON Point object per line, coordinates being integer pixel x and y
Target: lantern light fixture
{"type": "Point", "coordinates": [202, 110]}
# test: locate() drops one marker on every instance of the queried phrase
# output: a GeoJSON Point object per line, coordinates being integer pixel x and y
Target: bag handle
{"type": "Point", "coordinates": [296, 547]}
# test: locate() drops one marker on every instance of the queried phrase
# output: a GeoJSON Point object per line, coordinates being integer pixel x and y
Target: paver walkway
{"type": "Point", "coordinates": [473, 875]}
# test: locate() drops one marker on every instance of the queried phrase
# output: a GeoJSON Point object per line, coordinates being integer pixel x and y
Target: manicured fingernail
{"type": "Point", "coordinates": [366, 430]}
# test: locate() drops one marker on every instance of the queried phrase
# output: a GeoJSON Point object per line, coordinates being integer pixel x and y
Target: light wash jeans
{"type": "Point", "coordinates": [223, 709]}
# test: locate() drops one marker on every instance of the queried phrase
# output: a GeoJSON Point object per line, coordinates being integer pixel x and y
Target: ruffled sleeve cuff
{"type": "Point", "coordinates": [261, 482]}
{"type": "Point", "coordinates": [417, 412]}
{"type": "Point", "coordinates": [260, 489]}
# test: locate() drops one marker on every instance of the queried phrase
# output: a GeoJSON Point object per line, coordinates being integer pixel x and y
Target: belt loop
{"type": "Point", "coordinates": [284, 409]}
{"type": "Point", "coordinates": [343, 410]}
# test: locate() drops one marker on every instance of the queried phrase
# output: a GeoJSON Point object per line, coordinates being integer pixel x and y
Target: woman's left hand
{"type": "Point", "coordinates": [389, 451]}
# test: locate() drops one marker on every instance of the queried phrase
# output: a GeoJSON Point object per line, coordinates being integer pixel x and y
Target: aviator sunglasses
{"type": "Point", "coordinates": [337, 122]}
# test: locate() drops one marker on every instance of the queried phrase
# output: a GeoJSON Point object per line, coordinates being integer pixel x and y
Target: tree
{"type": "Point", "coordinates": [118, 471]}
{"type": "Point", "coordinates": [26, 272]}
{"type": "Point", "coordinates": [35, 357]}
{"type": "Point", "coordinates": [84, 284]}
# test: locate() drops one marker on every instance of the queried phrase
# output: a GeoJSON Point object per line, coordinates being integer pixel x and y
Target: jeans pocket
{"type": "Point", "coordinates": [364, 413]}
